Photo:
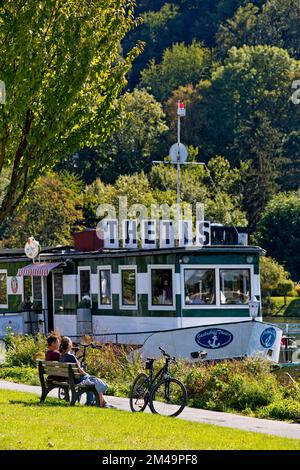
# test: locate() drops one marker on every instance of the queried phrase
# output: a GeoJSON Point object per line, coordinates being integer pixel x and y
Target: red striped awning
{"type": "Point", "coordinates": [38, 269]}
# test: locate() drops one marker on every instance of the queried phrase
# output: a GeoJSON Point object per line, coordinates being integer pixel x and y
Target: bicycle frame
{"type": "Point", "coordinates": [165, 370]}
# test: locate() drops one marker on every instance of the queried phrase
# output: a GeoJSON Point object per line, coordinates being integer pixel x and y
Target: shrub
{"type": "Point", "coordinates": [24, 350]}
{"type": "Point", "coordinates": [23, 374]}
{"type": "Point", "coordinates": [281, 409]}
{"type": "Point", "coordinates": [230, 385]}
{"type": "Point", "coordinates": [113, 363]}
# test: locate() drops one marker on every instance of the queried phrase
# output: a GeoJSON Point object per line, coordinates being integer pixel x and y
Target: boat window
{"type": "Point", "coordinates": [85, 283]}
{"type": "Point", "coordinates": [162, 286]}
{"type": "Point", "coordinates": [128, 287]}
{"type": "Point", "coordinates": [234, 286]}
{"type": "Point", "coordinates": [105, 287]}
{"type": "Point", "coordinates": [199, 286]}
{"type": "Point", "coordinates": [58, 285]}
{"type": "Point", "coordinates": [37, 288]}
{"type": "Point", "coordinates": [3, 289]}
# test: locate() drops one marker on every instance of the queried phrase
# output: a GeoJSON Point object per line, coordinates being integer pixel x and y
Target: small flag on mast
{"type": "Point", "coordinates": [180, 109]}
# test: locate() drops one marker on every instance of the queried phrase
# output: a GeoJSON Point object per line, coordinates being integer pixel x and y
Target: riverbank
{"type": "Point", "coordinates": [280, 307]}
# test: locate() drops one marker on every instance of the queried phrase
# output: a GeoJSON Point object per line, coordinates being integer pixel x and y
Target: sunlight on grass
{"type": "Point", "coordinates": [25, 424]}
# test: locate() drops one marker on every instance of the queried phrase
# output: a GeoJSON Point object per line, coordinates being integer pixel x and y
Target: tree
{"type": "Point", "coordinates": [247, 114]}
{"type": "Point", "coordinates": [271, 274]}
{"type": "Point", "coordinates": [222, 200]}
{"type": "Point", "coordinates": [278, 231]}
{"type": "Point", "coordinates": [239, 30]}
{"type": "Point", "coordinates": [164, 24]}
{"type": "Point", "coordinates": [131, 148]}
{"type": "Point", "coordinates": [52, 212]}
{"type": "Point", "coordinates": [135, 188]}
{"type": "Point", "coordinates": [63, 72]}
{"type": "Point", "coordinates": [218, 187]}
{"type": "Point", "coordinates": [276, 24]}
{"type": "Point", "coordinates": [154, 31]}
{"type": "Point", "coordinates": [192, 123]}
{"type": "Point", "coordinates": [181, 65]}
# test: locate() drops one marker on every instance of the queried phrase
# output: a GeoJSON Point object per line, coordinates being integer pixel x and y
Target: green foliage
{"type": "Point", "coordinates": [245, 386]}
{"type": "Point", "coordinates": [138, 140]}
{"type": "Point", "coordinates": [20, 374]}
{"type": "Point", "coordinates": [238, 30]}
{"type": "Point", "coordinates": [130, 149]}
{"type": "Point", "coordinates": [222, 201]}
{"type": "Point", "coordinates": [276, 24]}
{"type": "Point", "coordinates": [116, 364]}
{"type": "Point", "coordinates": [282, 306]}
{"type": "Point", "coordinates": [62, 68]}
{"type": "Point", "coordinates": [181, 65]}
{"type": "Point", "coordinates": [281, 409]}
{"type": "Point", "coordinates": [231, 385]}
{"type": "Point", "coordinates": [285, 288]}
{"type": "Point", "coordinates": [271, 274]}
{"type": "Point", "coordinates": [164, 24]}
{"type": "Point", "coordinates": [24, 350]}
{"type": "Point", "coordinates": [51, 214]}
{"type": "Point", "coordinates": [248, 102]}
{"type": "Point", "coordinates": [26, 425]}
{"type": "Point", "coordinates": [278, 231]}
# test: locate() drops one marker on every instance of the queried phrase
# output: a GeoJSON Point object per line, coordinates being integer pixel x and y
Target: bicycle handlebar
{"type": "Point", "coordinates": [166, 354]}
{"type": "Point", "coordinates": [92, 345]}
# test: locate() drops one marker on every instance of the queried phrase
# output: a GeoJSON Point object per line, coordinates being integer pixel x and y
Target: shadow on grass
{"type": "Point", "coordinates": [48, 403]}
{"type": "Point", "coordinates": [293, 309]}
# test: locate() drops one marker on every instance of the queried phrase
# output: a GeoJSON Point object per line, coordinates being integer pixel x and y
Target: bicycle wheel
{"type": "Point", "coordinates": [139, 394]}
{"type": "Point", "coordinates": [61, 394]}
{"type": "Point", "coordinates": [168, 397]}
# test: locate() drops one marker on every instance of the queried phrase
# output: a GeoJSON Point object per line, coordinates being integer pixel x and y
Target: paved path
{"type": "Point", "coordinates": [245, 423]}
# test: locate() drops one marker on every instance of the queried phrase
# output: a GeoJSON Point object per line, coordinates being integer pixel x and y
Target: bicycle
{"type": "Point", "coordinates": [164, 394]}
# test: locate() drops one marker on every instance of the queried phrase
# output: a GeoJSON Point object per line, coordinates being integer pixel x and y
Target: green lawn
{"type": "Point", "coordinates": [25, 424]}
{"type": "Point", "coordinates": [291, 309]}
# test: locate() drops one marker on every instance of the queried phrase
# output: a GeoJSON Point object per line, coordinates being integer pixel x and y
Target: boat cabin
{"type": "Point", "coordinates": [121, 294]}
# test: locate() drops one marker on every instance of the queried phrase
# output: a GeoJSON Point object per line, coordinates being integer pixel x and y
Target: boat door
{"type": "Point", "coordinates": [47, 301]}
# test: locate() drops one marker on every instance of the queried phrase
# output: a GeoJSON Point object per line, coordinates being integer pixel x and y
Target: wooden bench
{"type": "Point", "coordinates": [68, 372]}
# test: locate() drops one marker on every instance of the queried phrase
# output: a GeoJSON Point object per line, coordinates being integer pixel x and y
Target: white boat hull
{"type": "Point", "coordinates": [219, 341]}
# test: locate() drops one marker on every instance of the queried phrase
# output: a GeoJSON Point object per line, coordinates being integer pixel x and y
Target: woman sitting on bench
{"type": "Point", "coordinates": [66, 356]}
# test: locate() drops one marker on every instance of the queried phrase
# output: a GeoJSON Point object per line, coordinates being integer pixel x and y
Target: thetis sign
{"type": "Point", "coordinates": [152, 233]}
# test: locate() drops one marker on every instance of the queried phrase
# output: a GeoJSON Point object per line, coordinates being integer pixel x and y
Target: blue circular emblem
{"type": "Point", "coordinates": [267, 338]}
{"type": "Point", "coordinates": [214, 338]}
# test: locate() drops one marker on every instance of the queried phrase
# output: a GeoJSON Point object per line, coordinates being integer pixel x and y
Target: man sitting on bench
{"type": "Point", "coordinates": [52, 353]}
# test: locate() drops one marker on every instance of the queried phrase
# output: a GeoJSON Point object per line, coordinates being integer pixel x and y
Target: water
{"type": "Point", "coordinates": [290, 326]}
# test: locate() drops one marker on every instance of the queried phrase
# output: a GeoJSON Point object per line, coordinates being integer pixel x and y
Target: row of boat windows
{"type": "Point", "coordinates": [199, 287]}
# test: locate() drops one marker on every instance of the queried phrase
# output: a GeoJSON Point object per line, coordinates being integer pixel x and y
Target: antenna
{"type": "Point", "coordinates": [179, 153]}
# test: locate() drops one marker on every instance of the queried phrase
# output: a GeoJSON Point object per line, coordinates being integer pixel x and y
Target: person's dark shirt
{"type": "Point", "coordinates": [70, 358]}
{"type": "Point", "coordinates": [52, 355]}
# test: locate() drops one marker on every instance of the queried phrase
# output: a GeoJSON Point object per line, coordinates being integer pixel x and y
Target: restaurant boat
{"type": "Point", "coordinates": [184, 298]}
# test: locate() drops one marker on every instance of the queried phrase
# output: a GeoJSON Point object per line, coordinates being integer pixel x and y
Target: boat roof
{"type": "Point", "coordinates": [64, 252]}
